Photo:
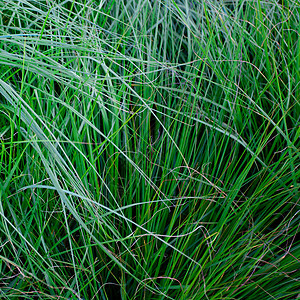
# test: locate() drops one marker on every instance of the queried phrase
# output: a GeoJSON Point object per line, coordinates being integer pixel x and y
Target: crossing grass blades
{"type": "Point", "coordinates": [149, 149]}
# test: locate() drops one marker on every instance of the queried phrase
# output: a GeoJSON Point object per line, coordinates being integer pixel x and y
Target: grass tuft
{"type": "Point", "coordinates": [149, 149]}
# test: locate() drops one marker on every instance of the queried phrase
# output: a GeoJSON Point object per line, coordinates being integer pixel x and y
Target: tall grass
{"type": "Point", "coordinates": [149, 149]}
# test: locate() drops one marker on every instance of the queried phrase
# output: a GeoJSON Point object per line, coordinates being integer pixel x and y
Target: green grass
{"type": "Point", "coordinates": [149, 149]}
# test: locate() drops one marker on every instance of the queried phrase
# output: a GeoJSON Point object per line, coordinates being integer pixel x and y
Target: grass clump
{"type": "Point", "coordinates": [149, 149]}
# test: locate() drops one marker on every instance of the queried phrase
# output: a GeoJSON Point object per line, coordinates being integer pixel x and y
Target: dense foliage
{"type": "Point", "coordinates": [149, 149]}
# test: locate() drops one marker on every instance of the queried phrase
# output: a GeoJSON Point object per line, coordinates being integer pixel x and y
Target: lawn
{"type": "Point", "coordinates": [149, 149]}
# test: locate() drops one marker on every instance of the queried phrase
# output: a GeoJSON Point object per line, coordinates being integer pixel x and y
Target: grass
{"type": "Point", "coordinates": [149, 149]}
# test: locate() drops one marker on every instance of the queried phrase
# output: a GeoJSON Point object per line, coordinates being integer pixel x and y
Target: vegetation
{"type": "Point", "coordinates": [149, 149]}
